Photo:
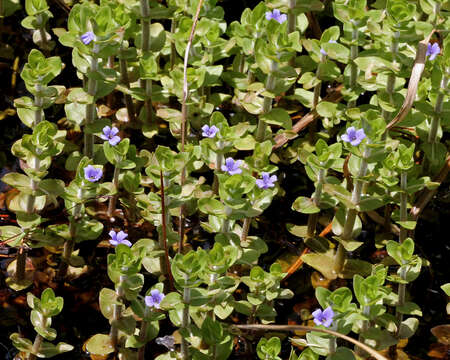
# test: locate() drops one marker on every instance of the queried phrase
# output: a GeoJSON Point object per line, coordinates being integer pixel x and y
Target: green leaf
{"type": "Point", "coordinates": [107, 299]}
{"type": "Point", "coordinates": [446, 288]}
{"type": "Point", "coordinates": [409, 225]}
{"type": "Point", "coordinates": [410, 308]}
{"type": "Point", "coordinates": [278, 116]}
{"type": "Point", "coordinates": [48, 350]}
{"type": "Point", "coordinates": [21, 343]}
{"type": "Point", "coordinates": [305, 205]}
{"type": "Point", "coordinates": [100, 344]}
{"type": "Point", "coordinates": [342, 353]}
{"type": "Point", "coordinates": [211, 206]}
{"type": "Point", "coordinates": [326, 109]}
{"type": "Point", "coordinates": [408, 328]}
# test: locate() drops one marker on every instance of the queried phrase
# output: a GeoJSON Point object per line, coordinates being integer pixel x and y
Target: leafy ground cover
{"type": "Point", "coordinates": [179, 178]}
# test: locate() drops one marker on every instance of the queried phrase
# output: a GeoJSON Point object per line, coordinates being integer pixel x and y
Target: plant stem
{"type": "Point", "coordinates": [245, 229]}
{"type": "Point", "coordinates": [70, 243]}
{"type": "Point", "coordinates": [146, 84]}
{"type": "Point", "coordinates": [110, 97]}
{"type": "Point", "coordinates": [173, 50]}
{"type": "Point", "coordinates": [318, 87]}
{"type": "Point", "coordinates": [21, 261]}
{"type": "Point", "coordinates": [364, 327]}
{"type": "Point", "coordinates": [113, 199]}
{"type": "Point", "coordinates": [351, 213]}
{"type": "Point", "coordinates": [312, 218]}
{"type": "Point", "coordinates": [143, 335]}
{"type": "Point", "coordinates": [267, 105]}
{"type": "Point", "coordinates": [291, 17]}
{"type": "Point", "coordinates": [185, 320]}
{"type": "Point", "coordinates": [401, 239]}
{"type": "Point", "coordinates": [91, 111]}
{"type": "Point", "coordinates": [164, 260]}
{"type": "Point", "coordinates": [117, 313]}
{"type": "Point", "coordinates": [391, 77]}
{"type": "Point", "coordinates": [184, 119]}
{"type": "Point", "coordinates": [219, 159]}
{"type": "Point", "coordinates": [36, 346]}
{"type": "Point", "coordinates": [353, 56]}
{"type": "Point", "coordinates": [124, 79]}
{"type": "Point", "coordinates": [432, 135]}
{"type": "Point", "coordinates": [42, 33]}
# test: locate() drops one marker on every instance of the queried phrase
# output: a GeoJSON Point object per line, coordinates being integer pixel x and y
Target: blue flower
{"type": "Point", "coordinates": [110, 134]}
{"type": "Point", "coordinates": [267, 181]}
{"type": "Point", "coordinates": [154, 299]}
{"type": "Point", "coordinates": [118, 238]}
{"type": "Point", "coordinates": [324, 318]}
{"type": "Point", "coordinates": [433, 50]}
{"type": "Point", "coordinates": [209, 132]}
{"type": "Point", "coordinates": [87, 37]}
{"type": "Point", "coordinates": [354, 136]}
{"type": "Point", "coordinates": [232, 167]}
{"type": "Point", "coordinates": [92, 174]}
{"type": "Point", "coordinates": [276, 15]}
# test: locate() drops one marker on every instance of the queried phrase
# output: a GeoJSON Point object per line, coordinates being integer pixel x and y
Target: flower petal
{"type": "Point", "coordinates": [114, 141]}
{"type": "Point", "coordinates": [345, 138]}
{"type": "Point", "coordinates": [360, 134]}
{"type": "Point", "coordinates": [121, 235]}
{"type": "Point", "coordinates": [127, 243]}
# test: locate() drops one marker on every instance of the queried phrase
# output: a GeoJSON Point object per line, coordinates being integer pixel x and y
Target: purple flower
{"type": "Point", "coordinates": [118, 238]}
{"type": "Point", "coordinates": [92, 174]}
{"type": "Point", "coordinates": [232, 167]}
{"type": "Point", "coordinates": [110, 134]}
{"type": "Point", "coordinates": [154, 299]}
{"type": "Point", "coordinates": [323, 52]}
{"type": "Point", "coordinates": [433, 50]}
{"type": "Point", "coordinates": [267, 181]}
{"type": "Point", "coordinates": [168, 341]}
{"type": "Point", "coordinates": [353, 136]}
{"type": "Point", "coordinates": [209, 132]}
{"type": "Point", "coordinates": [324, 318]}
{"type": "Point", "coordinates": [276, 15]}
{"type": "Point", "coordinates": [87, 37]}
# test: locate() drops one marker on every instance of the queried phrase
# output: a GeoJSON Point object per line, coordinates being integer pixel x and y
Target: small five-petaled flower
{"type": "Point", "coordinates": [209, 132]}
{"type": "Point", "coordinates": [119, 238]}
{"type": "Point", "coordinates": [276, 15]}
{"type": "Point", "coordinates": [92, 174]}
{"type": "Point", "coordinates": [354, 136]}
{"type": "Point", "coordinates": [267, 181]}
{"type": "Point", "coordinates": [154, 299]}
{"type": "Point", "coordinates": [87, 37]}
{"type": "Point", "coordinates": [324, 318]}
{"type": "Point", "coordinates": [433, 50]}
{"type": "Point", "coordinates": [110, 134]}
{"type": "Point", "coordinates": [232, 167]}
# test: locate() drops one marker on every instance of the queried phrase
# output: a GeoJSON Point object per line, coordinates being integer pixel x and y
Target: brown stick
{"type": "Point", "coordinates": [282, 139]}
{"type": "Point", "coordinates": [416, 73]}
{"type": "Point", "coordinates": [365, 347]}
